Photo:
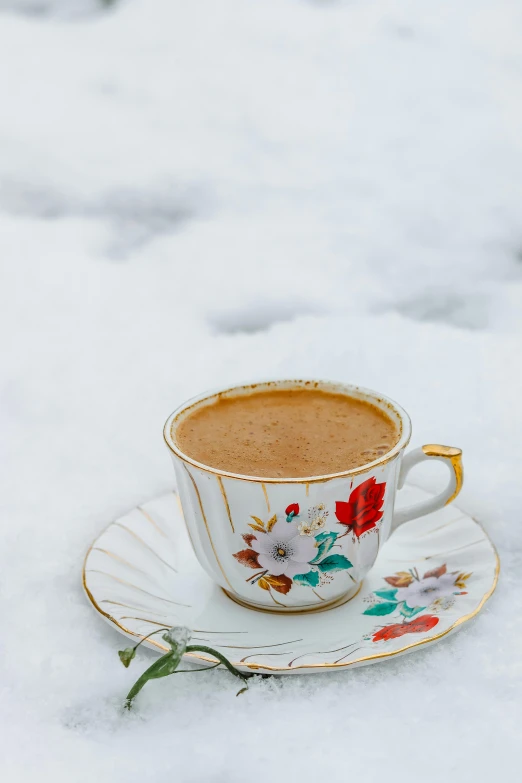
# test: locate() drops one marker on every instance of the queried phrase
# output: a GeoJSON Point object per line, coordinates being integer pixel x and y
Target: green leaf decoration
{"type": "Point", "coordinates": [388, 595]}
{"type": "Point", "coordinates": [379, 610]}
{"type": "Point", "coordinates": [324, 536]}
{"type": "Point", "coordinates": [334, 563]}
{"type": "Point", "coordinates": [323, 549]}
{"type": "Point", "coordinates": [311, 579]}
{"type": "Point", "coordinates": [127, 655]}
{"type": "Point", "coordinates": [406, 611]}
{"type": "Point", "coordinates": [325, 543]}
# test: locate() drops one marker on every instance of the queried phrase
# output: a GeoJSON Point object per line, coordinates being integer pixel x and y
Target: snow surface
{"type": "Point", "coordinates": [195, 193]}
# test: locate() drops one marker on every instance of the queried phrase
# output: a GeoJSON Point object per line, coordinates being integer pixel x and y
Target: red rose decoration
{"type": "Point", "coordinates": [364, 508]}
{"type": "Point", "coordinates": [419, 625]}
{"type": "Point", "coordinates": [292, 509]}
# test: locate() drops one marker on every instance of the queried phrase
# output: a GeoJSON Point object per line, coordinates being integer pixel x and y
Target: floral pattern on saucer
{"type": "Point", "coordinates": [410, 594]}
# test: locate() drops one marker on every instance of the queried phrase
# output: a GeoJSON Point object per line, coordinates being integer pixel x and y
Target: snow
{"type": "Point", "coordinates": [193, 194]}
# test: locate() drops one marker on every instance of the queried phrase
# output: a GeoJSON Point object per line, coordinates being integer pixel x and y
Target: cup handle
{"type": "Point", "coordinates": [452, 457]}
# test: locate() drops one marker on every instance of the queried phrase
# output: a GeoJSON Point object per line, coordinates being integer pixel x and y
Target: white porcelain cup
{"type": "Point", "coordinates": [299, 544]}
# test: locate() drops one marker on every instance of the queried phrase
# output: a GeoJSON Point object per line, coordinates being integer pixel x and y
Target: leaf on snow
{"type": "Point", "coordinates": [162, 667]}
{"type": "Point", "coordinates": [127, 655]}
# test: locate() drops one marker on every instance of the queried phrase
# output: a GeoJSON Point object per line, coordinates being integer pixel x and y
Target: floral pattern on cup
{"type": "Point", "coordinates": [288, 550]}
{"type": "Point", "coordinates": [364, 507]}
{"type": "Point", "coordinates": [409, 594]}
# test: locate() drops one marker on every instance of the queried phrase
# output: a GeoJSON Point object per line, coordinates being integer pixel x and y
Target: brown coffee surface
{"type": "Point", "coordinates": [287, 433]}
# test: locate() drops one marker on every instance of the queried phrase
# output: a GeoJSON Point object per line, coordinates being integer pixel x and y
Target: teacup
{"type": "Point", "coordinates": [328, 528]}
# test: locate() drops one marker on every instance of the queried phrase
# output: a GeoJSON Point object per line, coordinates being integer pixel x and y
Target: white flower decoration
{"type": "Point", "coordinates": [425, 591]}
{"type": "Point", "coordinates": [316, 520]}
{"type": "Point", "coordinates": [283, 550]}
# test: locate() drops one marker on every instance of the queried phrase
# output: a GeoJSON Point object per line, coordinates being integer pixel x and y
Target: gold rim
{"type": "Point", "coordinates": [278, 669]}
{"type": "Point", "coordinates": [404, 420]}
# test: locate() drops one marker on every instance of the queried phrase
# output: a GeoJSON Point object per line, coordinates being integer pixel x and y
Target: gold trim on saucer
{"type": "Point", "coordinates": [144, 543]}
{"type": "Point", "coordinates": [119, 559]}
{"type": "Point", "coordinates": [134, 587]}
{"type": "Point", "coordinates": [152, 521]}
{"type": "Point", "coordinates": [275, 669]}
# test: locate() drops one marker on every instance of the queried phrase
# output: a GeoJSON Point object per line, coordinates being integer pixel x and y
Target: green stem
{"type": "Point", "coordinates": [201, 669]}
{"type": "Point", "coordinates": [167, 664]}
{"type": "Point", "coordinates": [147, 675]}
{"type": "Point", "coordinates": [159, 630]}
{"type": "Point", "coordinates": [221, 658]}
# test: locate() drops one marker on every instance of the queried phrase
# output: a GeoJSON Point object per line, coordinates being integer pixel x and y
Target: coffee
{"type": "Point", "coordinates": [286, 433]}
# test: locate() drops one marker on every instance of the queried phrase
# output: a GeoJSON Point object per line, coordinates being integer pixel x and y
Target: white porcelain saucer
{"type": "Point", "coordinates": [434, 574]}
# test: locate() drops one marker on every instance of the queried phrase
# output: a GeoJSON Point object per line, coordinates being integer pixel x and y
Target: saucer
{"type": "Point", "coordinates": [432, 576]}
